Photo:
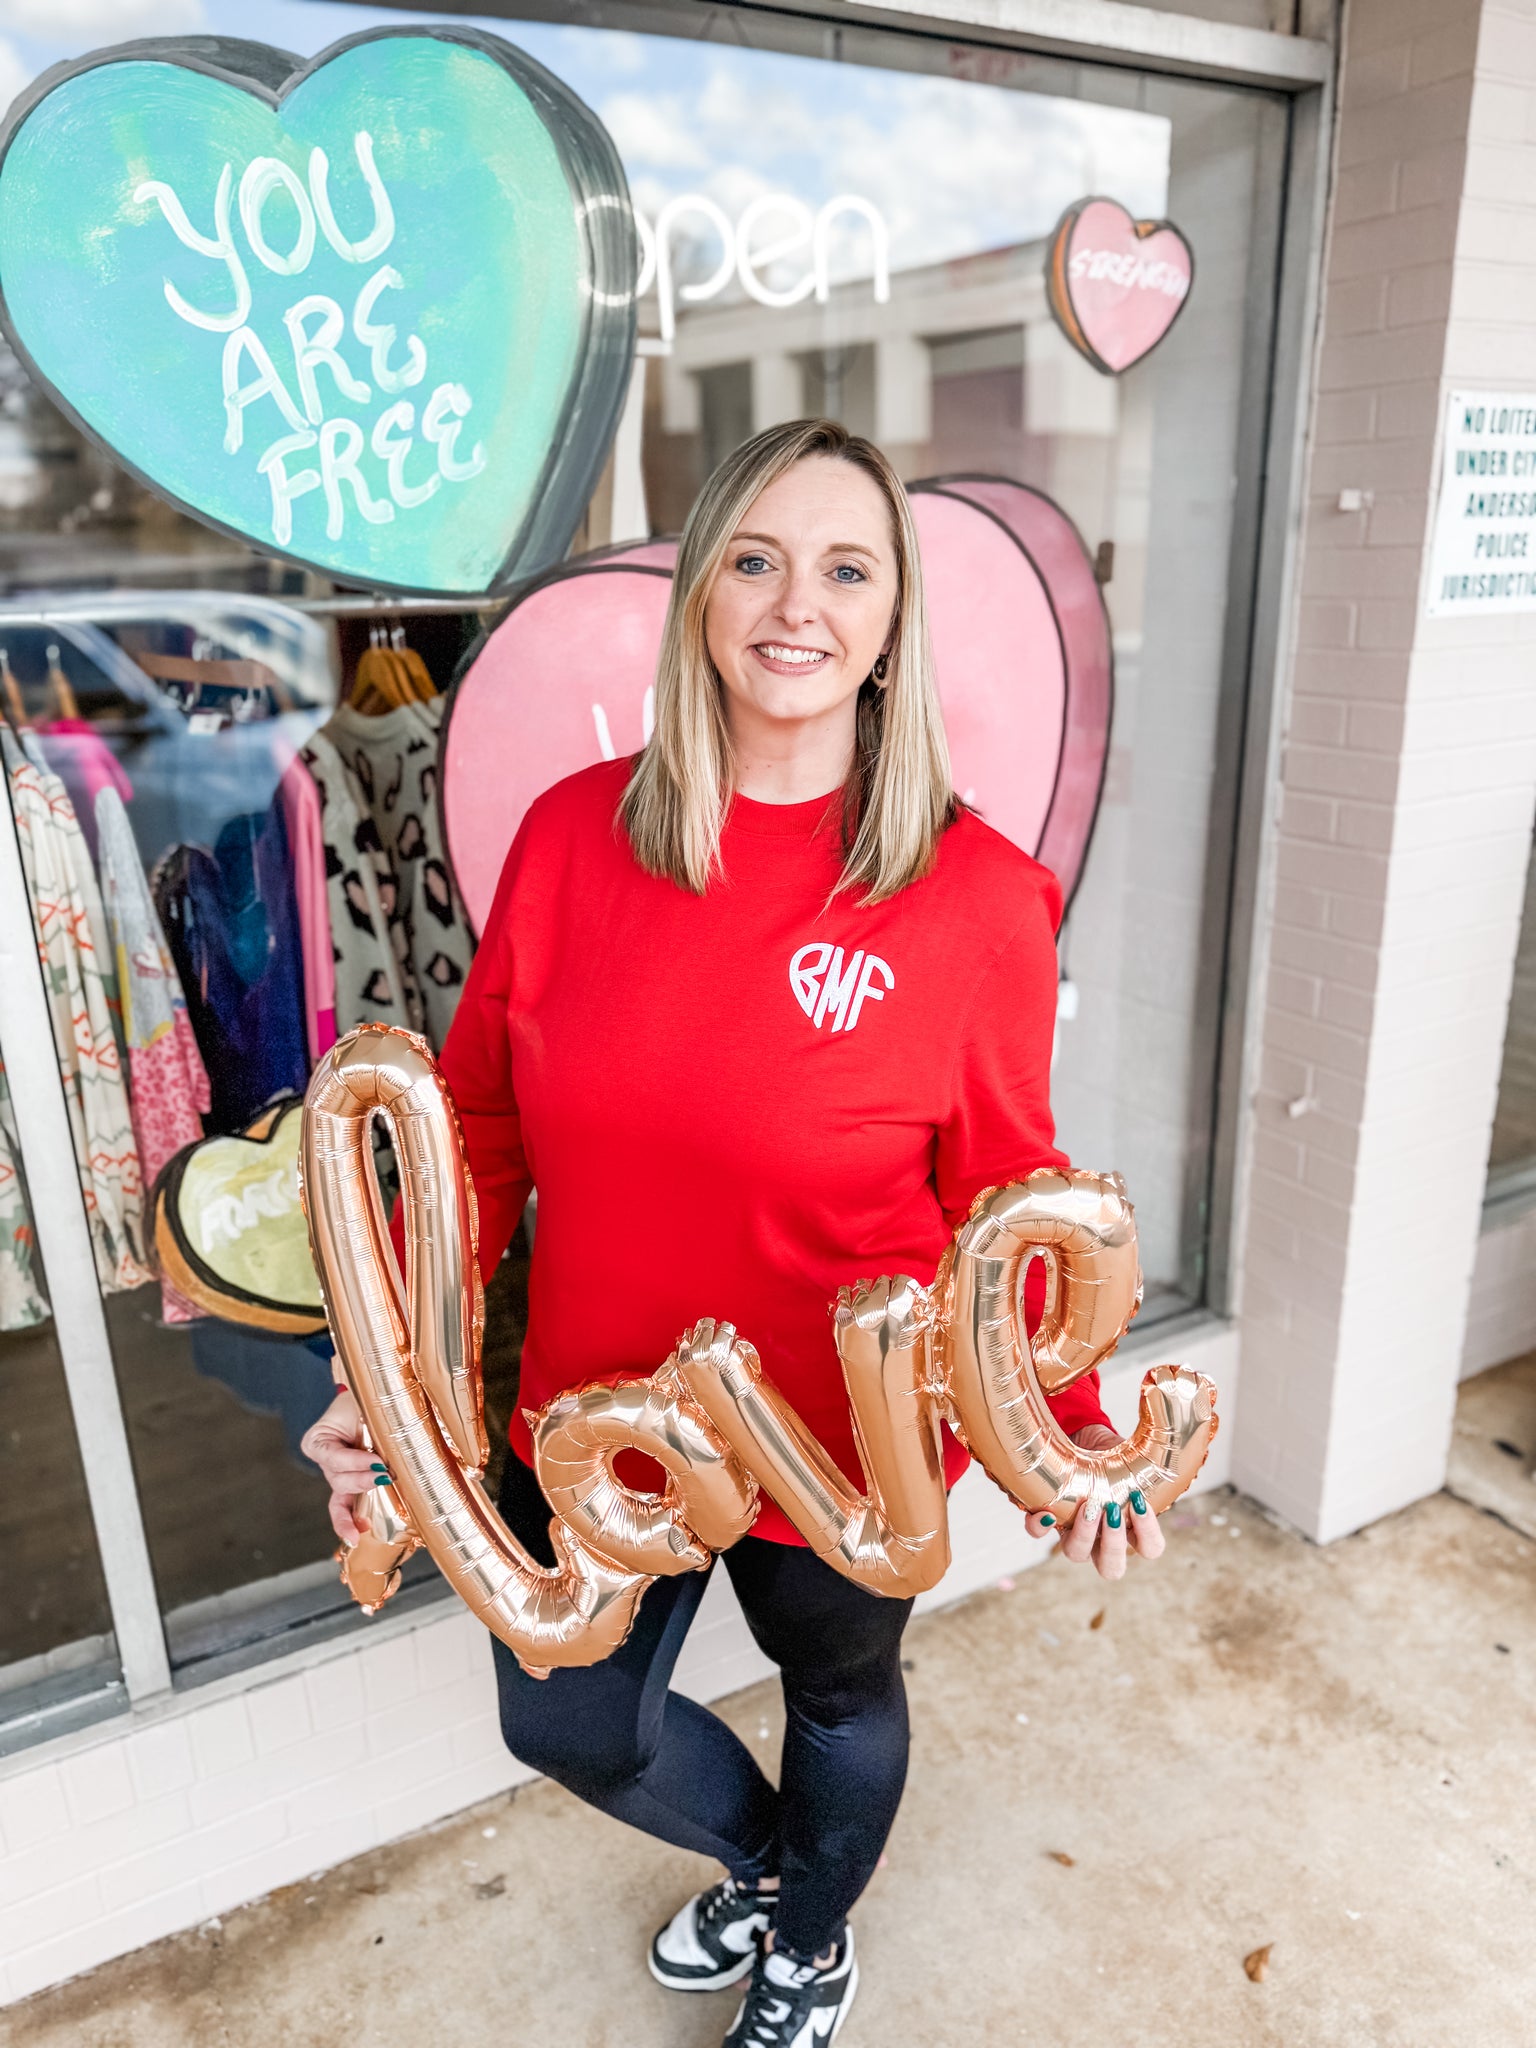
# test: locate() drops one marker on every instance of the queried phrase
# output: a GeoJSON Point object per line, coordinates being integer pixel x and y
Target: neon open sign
{"type": "Point", "coordinates": [772, 229]}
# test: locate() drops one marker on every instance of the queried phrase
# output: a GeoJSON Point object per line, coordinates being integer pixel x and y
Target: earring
{"type": "Point", "coordinates": [882, 664]}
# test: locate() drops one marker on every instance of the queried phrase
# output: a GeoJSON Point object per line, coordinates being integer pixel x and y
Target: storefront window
{"type": "Point", "coordinates": [853, 223]}
{"type": "Point", "coordinates": [56, 1643]}
{"type": "Point", "coordinates": [869, 239]}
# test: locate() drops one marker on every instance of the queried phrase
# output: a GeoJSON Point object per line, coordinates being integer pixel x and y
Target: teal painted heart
{"type": "Point", "coordinates": [372, 312]}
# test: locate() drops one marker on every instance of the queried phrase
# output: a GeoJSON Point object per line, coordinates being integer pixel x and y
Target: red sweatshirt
{"type": "Point", "coordinates": [733, 1104]}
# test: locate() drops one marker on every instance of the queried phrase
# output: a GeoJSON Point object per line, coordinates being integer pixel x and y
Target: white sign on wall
{"type": "Point", "coordinates": [1483, 555]}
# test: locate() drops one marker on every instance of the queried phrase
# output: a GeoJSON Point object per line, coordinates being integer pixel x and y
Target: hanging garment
{"type": "Point", "coordinates": [23, 1305]}
{"type": "Point", "coordinates": [55, 862]}
{"type": "Point", "coordinates": [392, 761]}
{"type": "Point", "coordinates": [167, 1083]}
{"type": "Point", "coordinates": [233, 931]}
{"type": "Point", "coordinates": [370, 944]}
{"type": "Point", "coordinates": [76, 752]}
{"type": "Point", "coordinates": [300, 799]}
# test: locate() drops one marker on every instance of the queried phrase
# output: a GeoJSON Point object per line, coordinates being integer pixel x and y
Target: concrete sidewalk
{"type": "Point", "coordinates": [1117, 1794]}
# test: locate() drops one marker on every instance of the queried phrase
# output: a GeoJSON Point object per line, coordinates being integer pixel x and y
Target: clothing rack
{"type": "Point", "coordinates": [359, 605]}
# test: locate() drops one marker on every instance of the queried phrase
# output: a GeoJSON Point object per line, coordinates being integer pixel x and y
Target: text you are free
{"type": "Point", "coordinates": [374, 475]}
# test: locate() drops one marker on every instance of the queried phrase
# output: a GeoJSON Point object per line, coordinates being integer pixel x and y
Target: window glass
{"type": "Point", "coordinates": [853, 223]}
{"type": "Point", "coordinates": [870, 239]}
{"type": "Point", "coordinates": [56, 1645]}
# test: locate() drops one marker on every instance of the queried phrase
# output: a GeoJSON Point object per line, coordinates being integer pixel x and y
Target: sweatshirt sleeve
{"type": "Point", "coordinates": [476, 1063]}
{"type": "Point", "coordinates": [1000, 1126]}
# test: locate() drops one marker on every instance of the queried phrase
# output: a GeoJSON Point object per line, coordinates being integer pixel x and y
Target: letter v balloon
{"type": "Point", "coordinates": [373, 313]}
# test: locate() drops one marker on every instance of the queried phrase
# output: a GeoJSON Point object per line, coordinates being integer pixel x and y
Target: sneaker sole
{"type": "Point", "coordinates": [716, 1983]}
{"type": "Point", "coordinates": [847, 2004]}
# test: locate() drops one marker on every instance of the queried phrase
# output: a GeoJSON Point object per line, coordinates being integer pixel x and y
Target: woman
{"type": "Point", "coordinates": [757, 1013]}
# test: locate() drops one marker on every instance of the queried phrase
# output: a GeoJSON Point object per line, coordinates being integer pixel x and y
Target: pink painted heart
{"type": "Point", "coordinates": [1021, 641]}
{"type": "Point", "coordinates": [1116, 285]}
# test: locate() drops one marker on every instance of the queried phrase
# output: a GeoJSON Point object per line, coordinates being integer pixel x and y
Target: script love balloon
{"type": "Point", "coordinates": [913, 1357]}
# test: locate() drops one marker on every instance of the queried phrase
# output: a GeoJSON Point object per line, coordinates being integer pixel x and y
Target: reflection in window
{"type": "Point", "coordinates": [56, 1646]}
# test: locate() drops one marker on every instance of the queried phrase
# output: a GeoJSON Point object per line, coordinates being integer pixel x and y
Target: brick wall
{"type": "Point", "coordinates": [1409, 768]}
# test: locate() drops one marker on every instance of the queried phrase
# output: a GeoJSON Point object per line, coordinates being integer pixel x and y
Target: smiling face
{"type": "Point", "coordinates": [801, 607]}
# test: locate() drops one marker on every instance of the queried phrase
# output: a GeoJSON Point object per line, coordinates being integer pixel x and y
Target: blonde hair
{"type": "Point", "coordinates": [897, 800]}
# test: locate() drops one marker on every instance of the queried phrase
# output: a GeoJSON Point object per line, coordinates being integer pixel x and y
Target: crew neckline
{"type": "Point", "coordinates": [783, 821]}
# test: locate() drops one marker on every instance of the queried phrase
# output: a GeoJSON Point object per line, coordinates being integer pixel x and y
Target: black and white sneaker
{"type": "Point", "coordinates": [796, 2005]}
{"type": "Point", "coordinates": [713, 1940]}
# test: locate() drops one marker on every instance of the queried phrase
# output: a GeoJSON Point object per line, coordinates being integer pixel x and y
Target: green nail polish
{"type": "Point", "coordinates": [1112, 1514]}
{"type": "Point", "coordinates": [379, 1465]}
{"type": "Point", "coordinates": [383, 1481]}
{"type": "Point", "coordinates": [1138, 1500]}
{"type": "Point", "coordinates": [1047, 1521]}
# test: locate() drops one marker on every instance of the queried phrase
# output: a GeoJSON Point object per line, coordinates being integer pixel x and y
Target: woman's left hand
{"type": "Point", "coordinates": [1108, 1537]}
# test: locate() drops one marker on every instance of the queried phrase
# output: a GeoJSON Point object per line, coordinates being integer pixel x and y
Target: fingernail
{"type": "Point", "coordinates": [383, 1480]}
{"type": "Point", "coordinates": [1047, 1521]}
{"type": "Point", "coordinates": [1089, 1511]}
{"type": "Point", "coordinates": [380, 1466]}
{"type": "Point", "coordinates": [1112, 1514]}
{"type": "Point", "coordinates": [1138, 1500]}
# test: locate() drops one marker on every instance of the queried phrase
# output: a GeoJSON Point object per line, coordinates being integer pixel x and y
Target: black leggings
{"type": "Point", "coordinates": [614, 1734]}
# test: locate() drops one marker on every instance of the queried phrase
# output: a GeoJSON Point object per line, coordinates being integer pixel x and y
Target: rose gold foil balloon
{"type": "Point", "coordinates": [895, 1540]}
{"type": "Point", "coordinates": [911, 1358]}
{"type": "Point", "coordinates": [710, 1499]}
{"type": "Point", "coordinates": [997, 1379]}
{"type": "Point", "coordinates": [370, 1570]}
{"type": "Point", "coordinates": [583, 1609]}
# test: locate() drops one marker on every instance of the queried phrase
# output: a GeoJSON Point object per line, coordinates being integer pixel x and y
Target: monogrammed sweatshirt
{"type": "Point", "coordinates": [732, 1105]}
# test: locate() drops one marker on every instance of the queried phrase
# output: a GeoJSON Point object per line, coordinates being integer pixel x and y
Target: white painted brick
{"type": "Point", "coordinates": [116, 1838]}
{"type": "Point", "coordinates": [334, 1800]}
{"type": "Point", "coordinates": [251, 1877]}
{"type": "Point", "coordinates": [1385, 997]}
{"type": "Point", "coordinates": [414, 1805]}
{"type": "Point", "coordinates": [389, 1673]}
{"type": "Point", "coordinates": [265, 1778]}
{"type": "Point", "coordinates": [97, 1784]}
{"type": "Point", "coordinates": [46, 1915]}
{"type": "Point", "coordinates": [405, 1724]}
{"type": "Point", "coordinates": [66, 1955]}
{"type": "Point", "coordinates": [335, 1690]}
{"type": "Point", "coordinates": [166, 1868]}
{"type": "Point", "coordinates": [279, 1714]}
{"type": "Point", "coordinates": [160, 1759]}
{"type": "Point", "coordinates": [451, 1651]}
{"type": "Point", "coordinates": [151, 1917]}
{"type": "Point", "coordinates": [221, 1738]}
{"type": "Point", "coordinates": [32, 1808]}
{"type": "Point", "coordinates": [223, 1845]}
{"type": "Point", "coordinates": [319, 1848]}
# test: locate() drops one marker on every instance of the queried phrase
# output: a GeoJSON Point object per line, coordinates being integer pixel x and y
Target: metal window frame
{"type": "Point", "coordinates": [1098, 33]}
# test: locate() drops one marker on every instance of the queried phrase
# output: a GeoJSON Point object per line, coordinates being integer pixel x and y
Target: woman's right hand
{"type": "Point", "coordinates": [335, 1444]}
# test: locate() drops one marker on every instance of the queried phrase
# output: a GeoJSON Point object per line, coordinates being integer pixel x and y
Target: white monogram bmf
{"type": "Point", "coordinates": [824, 987]}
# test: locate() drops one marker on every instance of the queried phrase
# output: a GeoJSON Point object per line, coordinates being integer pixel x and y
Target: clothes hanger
{"type": "Point", "coordinates": [15, 705]}
{"type": "Point", "coordinates": [418, 675]}
{"type": "Point", "coordinates": [61, 695]}
{"type": "Point", "coordinates": [380, 684]}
